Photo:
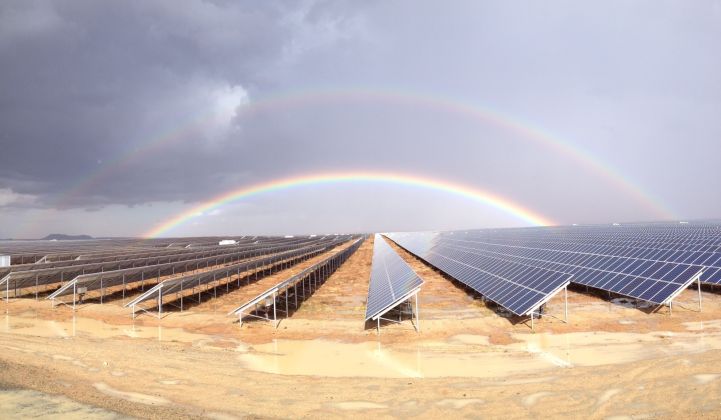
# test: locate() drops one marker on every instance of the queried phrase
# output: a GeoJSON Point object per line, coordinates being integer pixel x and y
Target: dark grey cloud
{"type": "Point", "coordinates": [85, 84]}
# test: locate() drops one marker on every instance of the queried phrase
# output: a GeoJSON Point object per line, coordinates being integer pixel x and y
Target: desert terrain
{"type": "Point", "coordinates": [613, 358]}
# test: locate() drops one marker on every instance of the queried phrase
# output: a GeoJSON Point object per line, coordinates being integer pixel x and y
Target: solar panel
{"type": "Point", "coordinates": [167, 264]}
{"type": "Point", "coordinates": [711, 261]}
{"type": "Point", "coordinates": [315, 275]}
{"type": "Point", "coordinates": [518, 287]}
{"type": "Point", "coordinates": [392, 280]}
{"type": "Point", "coordinates": [127, 255]}
{"type": "Point", "coordinates": [178, 286]}
{"type": "Point", "coordinates": [639, 246]}
{"type": "Point", "coordinates": [107, 279]}
{"type": "Point", "coordinates": [42, 251]}
{"type": "Point", "coordinates": [649, 275]}
{"type": "Point", "coordinates": [650, 281]}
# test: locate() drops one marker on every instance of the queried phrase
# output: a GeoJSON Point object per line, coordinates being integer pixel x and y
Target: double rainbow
{"type": "Point", "coordinates": [295, 100]}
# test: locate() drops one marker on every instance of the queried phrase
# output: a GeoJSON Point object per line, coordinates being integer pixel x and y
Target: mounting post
{"type": "Point", "coordinates": [532, 321]}
{"type": "Point", "coordinates": [275, 316]}
{"type": "Point", "coordinates": [418, 316]}
{"type": "Point", "coordinates": [565, 304]}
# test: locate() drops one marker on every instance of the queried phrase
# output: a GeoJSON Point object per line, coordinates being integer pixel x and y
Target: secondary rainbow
{"type": "Point", "coordinates": [455, 106]}
{"type": "Point", "coordinates": [493, 200]}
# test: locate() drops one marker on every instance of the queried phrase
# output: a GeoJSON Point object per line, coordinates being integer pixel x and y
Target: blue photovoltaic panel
{"type": "Point", "coordinates": [693, 243]}
{"type": "Point", "coordinates": [710, 261]}
{"type": "Point", "coordinates": [611, 258]}
{"type": "Point", "coordinates": [391, 282]}
{"type": "Point", "coordinates": [519, 287]}
{"type": "Point", "coordinates": [168, 287]}
{"type": "Point", "coordinates": [697, 243]}
{"type": "Point", "coordinates": [655, 282]}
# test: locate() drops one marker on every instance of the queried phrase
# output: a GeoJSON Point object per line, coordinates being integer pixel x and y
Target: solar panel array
{"type": "Point", "coordinates": [520, 269]}
{"type": "Point", "coordinates": [318, 273]}
{"type": "Point", "coordinates": [106, 279]}
{"type": "Point", "coordinates": [42, 251]}
{"type": "Point", "coordinates": [392, 280]}
{"type": "Point", "coordinates": [132, 256]}
{"type": "Point", "coordinates": [137, 268]}
{"type": "Point", "coordinates": [519, 287]}
{"type": "Point", "coordinates": [692, 243]}
{"type": "Point", "coordinates": [650, 262]}
{"type": "Point", "coordinates": [179, 285]}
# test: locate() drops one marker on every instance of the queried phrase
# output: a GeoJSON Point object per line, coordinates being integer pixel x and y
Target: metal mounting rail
{"type": "Point", "coordinates": [314, 275]}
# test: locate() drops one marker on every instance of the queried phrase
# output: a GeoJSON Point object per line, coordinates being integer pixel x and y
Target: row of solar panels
{"type": "Point", "coordinates": [98, 281]}
{"type": "Point", "coordinates": [64, 270]}
{"type": "Point", "coordinates": [137, 269]}
{"type": "Point", "coordinates": [689, 236]}
{"type": "Point", "coordinates": [185, 283]}
{"type": "Point", "coordinates": [518, 287]}
{"type": "Point", "coordinates": [520, 269]}
{"type": "Point", "coordinates": [701, 245]}
{"type": "Point", "coordinates": [392, 281]}
{"type": "Point", "coordinates": [30, 252]}
{"type": "Point", "coordinates": [711, 261]}
{"type": "Point", "coordinates": [43, 251]}
{"type": "Point", "coordinates": [667, 250]}
{"type": "Point", "coordinates": [318, 272]}
{"type": "Point", "coordinates": [125, 254]}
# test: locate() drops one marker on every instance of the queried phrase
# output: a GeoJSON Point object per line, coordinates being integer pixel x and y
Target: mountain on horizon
{"type": "Point", "coordinates": [64, 237]}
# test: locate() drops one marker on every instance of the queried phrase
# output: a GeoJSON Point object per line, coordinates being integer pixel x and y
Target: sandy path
{"type": "Point", "coordinates": [344, 294]}
{"type": "Point", "coordinates": [440, 296]}
{"type": "Point", "coordinates": [227, 302]}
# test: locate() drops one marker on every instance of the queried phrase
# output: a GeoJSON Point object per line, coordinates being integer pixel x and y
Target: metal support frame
{"type": "Point", "coordinates": [212, 284]}
{"type": "Point", "coordinates": [141, 309]}
{"type": "Point", "coordinates": [7, 288]}
{"type": "Point", "coordinates": [250, 314]}
{"type": "Point", "coordinates": [682, 304]}
{"type": "Point", "coordinates": [269, 268]}
{"type": "Point", "coordinates": [57, 301]}
{"type": "Point", "coordinates": [565, 307]}
{"type": "Point", "coordinates": [315, 278]}
{"type": "Point", "coordinates": [405, 300]}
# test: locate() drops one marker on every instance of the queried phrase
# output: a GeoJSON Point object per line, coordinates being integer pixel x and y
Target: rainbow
{"type": "Point", "coordinates": [124, 161]}
{"type": "Point", "coordinates": [525, 131]}
{"type": "Point", "coordinates": [526, 215]}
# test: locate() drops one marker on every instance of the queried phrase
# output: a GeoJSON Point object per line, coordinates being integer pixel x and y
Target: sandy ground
{"type": "Point", "coordinates": [611, 360]}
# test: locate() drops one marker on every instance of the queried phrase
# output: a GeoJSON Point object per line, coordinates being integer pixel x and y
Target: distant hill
{"type": "Point", "coordinates": [63, 237]}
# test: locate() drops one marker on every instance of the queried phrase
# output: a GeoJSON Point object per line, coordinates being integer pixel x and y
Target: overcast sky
{"type": "Point", "coordinates": [115, 116]}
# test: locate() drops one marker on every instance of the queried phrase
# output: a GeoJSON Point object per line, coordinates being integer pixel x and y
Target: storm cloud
{"type": "Point", "coordinates": [135, 111]}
